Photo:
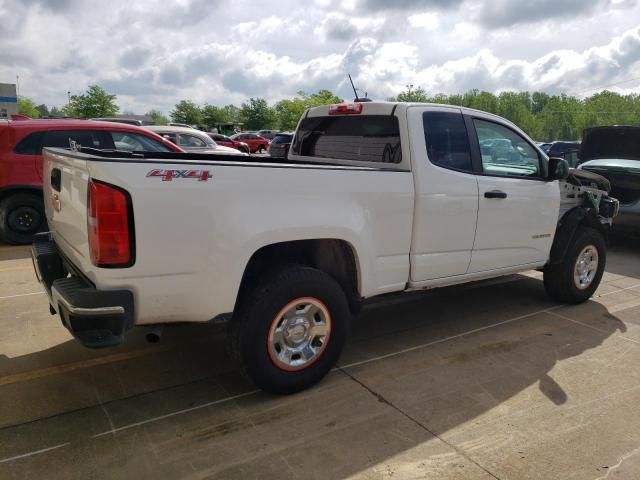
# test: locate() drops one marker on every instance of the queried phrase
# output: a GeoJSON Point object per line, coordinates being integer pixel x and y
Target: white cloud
{"type": "Point", "coordinates": [152, 54]}
{"type": "Point", "coordinates": [426, 20]}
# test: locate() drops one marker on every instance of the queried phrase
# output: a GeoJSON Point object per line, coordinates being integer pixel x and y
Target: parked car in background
{"type": "Point", "coordinates": [21, 144]}
{"type": "Point", "coordinates": [279, 146]}
{"type": "Point", "coordinates": [256, 142]}
{"type": "Point", "coordinates": [614, 153]}
{"type": "Point", "coordinates": [559, 148]}
{"type": "Point", "coordinates": [192, 140]}
{"type": "Point", "coordinates": [228, 142]}
{"type": "Point", "coordinates": [174, 124]}
{"type": "Point", "coordinates": [544, 146]}
{"type": "Point", "coordinates": [268, 134]}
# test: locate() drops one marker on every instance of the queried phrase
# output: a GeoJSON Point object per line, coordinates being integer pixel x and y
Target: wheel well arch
{"type": "Point", "coordinates": [15, 189]}
{"type": "Point", "coordinates": [567, 227]}
{"type": "Point", "coordinates": [336, 257]}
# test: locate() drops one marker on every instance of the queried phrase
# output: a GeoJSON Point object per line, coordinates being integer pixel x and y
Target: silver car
{"type": "Point", "coordinates": [192, 140]}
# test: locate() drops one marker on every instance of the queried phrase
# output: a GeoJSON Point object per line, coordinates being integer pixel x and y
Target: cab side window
{"type": "Point", "coordinates": [447, 141]}
{"type": "Point", "coordinates": [504, 152]}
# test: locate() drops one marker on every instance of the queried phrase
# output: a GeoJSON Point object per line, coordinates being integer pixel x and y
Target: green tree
{"type": "Point", "coordinates": [212, 116]}
{"type": "Point", "coordinates": [95, 102]}
{"type": "Point", "coordinates": [27, 107]}
{"type": "Point", "coordinates": [411, 95]}
{"type": "Point", "coordinates": [43, 110]}
{"type": "Point", "coordinates": [323, 97]}
{"type": "Point", "coordinates": [289, 111]}
{"type": "Point", "coordinates": [157, 117]}
{"type": "Point", "coordinates": [232, 112]}
{"type": "Point", "coordinates": [256, 114]}
{"type": "Point", "coordinates": [56, 112]}
{"type": "Point", "coordinates": [187, 112]}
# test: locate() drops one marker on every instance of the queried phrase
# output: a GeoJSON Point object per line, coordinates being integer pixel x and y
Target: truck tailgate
{"type": "Point", "coordinates": [65, 198]}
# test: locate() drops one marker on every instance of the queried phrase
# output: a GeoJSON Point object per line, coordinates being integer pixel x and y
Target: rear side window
{"type": "Point", "coordinates": [447, 141]}
{"type": "Point", "coordinates": [363, 138]}
{"type": "Point", "coordinates": [30, 145]}
{"type": "Point", "coordinates": [62, 138]}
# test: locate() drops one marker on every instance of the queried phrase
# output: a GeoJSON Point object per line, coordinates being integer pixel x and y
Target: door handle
{"type": "Point", "coordinates": [495, 194]}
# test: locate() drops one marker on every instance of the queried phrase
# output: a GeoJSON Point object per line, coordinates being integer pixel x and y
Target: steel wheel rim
{"type": "Point", "coordinates": [586, 267]}
{"type": "Point", "coordinates": [24, 219]}
{"type": "Point", "coordinates": [299, 334]}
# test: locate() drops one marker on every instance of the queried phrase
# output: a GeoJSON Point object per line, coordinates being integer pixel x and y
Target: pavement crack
{"type": "Point", "coordinates": [620, 461]}
{"type": "Point", "coordinates": [387, 402]}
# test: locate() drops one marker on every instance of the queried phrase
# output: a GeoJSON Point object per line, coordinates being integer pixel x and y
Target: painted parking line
{"type": "Point", "coordinates": [173, 414]}
{"type": "Point", "coordinates": [70, 367]}
{"type": "Point", "coordinates": [21, 295]}
{"type": "Point", "coordinates": [16, 269]}
{"type": "Point", "coordinates": [35, 452]}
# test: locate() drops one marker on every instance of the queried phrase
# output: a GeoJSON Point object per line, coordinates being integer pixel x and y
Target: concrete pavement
{"type": "Point", "coordinates": [489, 380]}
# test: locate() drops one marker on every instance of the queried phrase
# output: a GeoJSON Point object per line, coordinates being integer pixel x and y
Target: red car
{"type": "Point", "coordinates": [227, 142]}
{"type": "Point", "coordinates": [21, 143]}
{"type": "Point", "coordinates": [256, 142]}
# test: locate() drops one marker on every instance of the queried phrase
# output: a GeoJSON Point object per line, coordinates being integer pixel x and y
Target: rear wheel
{"type": "Point", "coordinates": [577, 277]}
{"type": "Point", "coordinates": [21, 217]}
{"type": "Point", "coordinates": [290, 329]}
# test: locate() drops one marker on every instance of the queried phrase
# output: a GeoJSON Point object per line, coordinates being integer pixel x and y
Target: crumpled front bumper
{"type": "Point", "coordinates": [96, 318]}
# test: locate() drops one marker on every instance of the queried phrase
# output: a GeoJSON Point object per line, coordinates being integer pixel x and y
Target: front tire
{"type": "Point", "coordinates": [290, 329]}
{"type": "Point", "coordinates": [21, 217]}
{"type": "Point", "coordinates": [577, 277]}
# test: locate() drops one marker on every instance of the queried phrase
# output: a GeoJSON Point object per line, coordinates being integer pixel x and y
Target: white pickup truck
{"type": "Point", "coordinates": [374, 198]}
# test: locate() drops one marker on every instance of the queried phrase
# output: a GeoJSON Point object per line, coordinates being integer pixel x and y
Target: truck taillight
{"type": "Point", "coordinates": [345, 109]}
{"type": "Point", "coordinates": [109, 225]}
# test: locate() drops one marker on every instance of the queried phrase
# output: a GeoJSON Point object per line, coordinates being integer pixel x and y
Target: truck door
{"type": "Point", "coordinates": [518, 209]}
{"type": "Point", "coordinates": [446, 193]}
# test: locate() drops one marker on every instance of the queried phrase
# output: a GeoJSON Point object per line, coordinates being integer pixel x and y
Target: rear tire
{"type": "Point", "coordinates": [577, 277]}
{"type": "Point", "coordinates": [21, 217]}
{"type": "Point", "coordinates": [290, 329]}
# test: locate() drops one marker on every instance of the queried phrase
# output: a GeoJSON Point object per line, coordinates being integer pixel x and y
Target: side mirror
{"type": "Point", "coordinates": [558, 169]}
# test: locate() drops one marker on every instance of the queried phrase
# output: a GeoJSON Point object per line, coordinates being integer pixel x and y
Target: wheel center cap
{"type": "Point", "coordinates": [296, 331]}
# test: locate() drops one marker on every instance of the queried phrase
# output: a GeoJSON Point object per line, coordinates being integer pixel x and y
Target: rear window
{"type": "Point", "coordinates": [282, 139]}
{"type": "Point", "coordinates": [447, 140]}
{"type": "Point", "coordinates": [362, 138]}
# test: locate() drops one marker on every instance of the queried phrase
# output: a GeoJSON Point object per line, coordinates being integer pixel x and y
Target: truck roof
{"type": "Point", "coordinates": [386, 108]}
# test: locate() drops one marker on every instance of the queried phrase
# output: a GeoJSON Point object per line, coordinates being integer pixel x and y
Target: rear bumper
{"type": "Point", "coordinates": [96, 318]}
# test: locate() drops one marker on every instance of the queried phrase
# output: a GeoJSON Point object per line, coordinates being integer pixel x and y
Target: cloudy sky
{"type": "Point", "coordinates": [154, 53]}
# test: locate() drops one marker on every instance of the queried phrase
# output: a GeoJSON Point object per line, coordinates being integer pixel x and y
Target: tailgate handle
{"type": "Point", "coordinates": [56, 179]}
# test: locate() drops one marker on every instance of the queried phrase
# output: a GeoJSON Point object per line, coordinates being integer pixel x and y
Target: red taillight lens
{"type": "Point", "coordinates": [345, 109]}
{"type": "Point", "coordinates": [108, 225]}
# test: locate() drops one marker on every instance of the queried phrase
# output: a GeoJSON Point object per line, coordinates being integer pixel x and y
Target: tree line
{"type": "Point", "coordinates": [543, 116]}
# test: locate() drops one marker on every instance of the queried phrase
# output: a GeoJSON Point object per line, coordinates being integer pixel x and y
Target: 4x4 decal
{"type": "Point", "coordinates": [169, 175]}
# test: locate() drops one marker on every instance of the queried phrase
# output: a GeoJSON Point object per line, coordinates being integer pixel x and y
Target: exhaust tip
{"type": "Point", "coordinates": [154, 335]}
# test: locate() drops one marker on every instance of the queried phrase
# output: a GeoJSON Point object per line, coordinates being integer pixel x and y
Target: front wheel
{"type": "Point", "coordinates": [577, 277]}
{"type": "Point", "coordinates": [290, 329]}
